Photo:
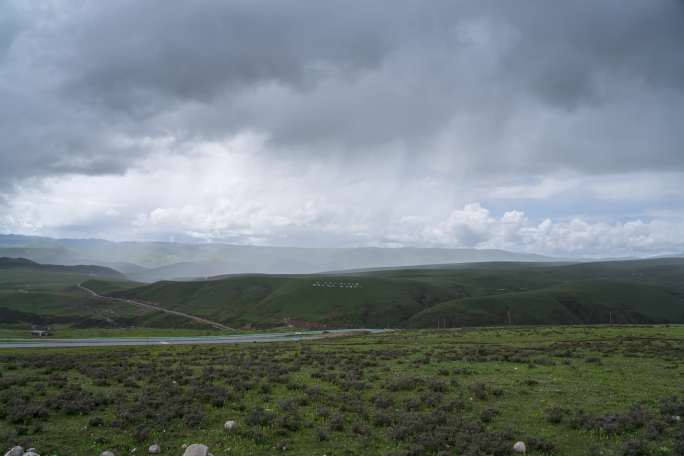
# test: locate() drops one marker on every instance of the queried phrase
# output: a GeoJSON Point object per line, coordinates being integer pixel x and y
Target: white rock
{"type": "Point", "coordinates": [230, 425]}
{"type": "Point", "coordinates": [107, 453]}
{"type": "Point", "coordinates": [196, 449]}
{"type": "Point", "coordinates": [16, 451]}
{"type": "Point", "coordinates": [520, 447]}
{"type": "Point", "coordinates": [154, 449]}
{"type": "Point", "coordinates": [31, 453]}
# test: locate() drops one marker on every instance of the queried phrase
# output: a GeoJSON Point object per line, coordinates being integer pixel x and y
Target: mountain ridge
{"type": "Point", "coordinates": [153, 261]}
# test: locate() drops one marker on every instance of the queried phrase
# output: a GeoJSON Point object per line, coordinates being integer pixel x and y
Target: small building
{"type": "Point", "coordinates": [40, 331]}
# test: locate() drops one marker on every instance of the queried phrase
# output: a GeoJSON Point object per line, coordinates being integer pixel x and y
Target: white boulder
{"type": "Point", "coordinates": [15, 451]}
{"type": "Point", "coordinates": [31, 453]}
{"type": "Point", "coordinates": [107, 453]}
{"type": "Point", "coordinates": [520, 447]}
{"type": "Point", "coordinates": [154, 449]}
{"type": "Point", "coordinates": [230, 425]}
{"type": "Point", "coordinates": [196, 449]}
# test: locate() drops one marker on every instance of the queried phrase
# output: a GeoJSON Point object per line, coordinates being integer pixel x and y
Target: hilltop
{"type": "Point", "coordinates": [88, 270]}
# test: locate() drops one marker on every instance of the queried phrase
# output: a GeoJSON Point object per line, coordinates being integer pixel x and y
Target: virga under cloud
{"type": "Point", "coordinates": [530, 126]}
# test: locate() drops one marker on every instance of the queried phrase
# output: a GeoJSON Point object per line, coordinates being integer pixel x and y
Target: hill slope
{"type": "Point", "coordinates": [32, 293]}
{"type": "Point", "coordinates": [459, 295]}
{"type": "Point", "coordinates": [87, 270]}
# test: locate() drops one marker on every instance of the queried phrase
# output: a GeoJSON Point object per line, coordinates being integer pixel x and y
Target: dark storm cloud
{"type": "Point", "coordinates": [594, 86]}
{"type": "Point", "coordinates": [199, 50]}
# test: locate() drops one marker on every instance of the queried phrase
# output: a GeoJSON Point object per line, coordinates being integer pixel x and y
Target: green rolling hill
{"type": "Point", "coordinates": [32, 293]}
{"type": "Point", "coordinates": [641, 291]}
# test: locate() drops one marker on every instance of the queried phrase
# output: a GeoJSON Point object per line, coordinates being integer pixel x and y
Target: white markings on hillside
{"type": "Point", "coordinates": [329, 284]}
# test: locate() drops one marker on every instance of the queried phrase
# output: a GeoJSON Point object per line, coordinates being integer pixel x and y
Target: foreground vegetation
{"type": "Point", "coordinates": [612, 390]}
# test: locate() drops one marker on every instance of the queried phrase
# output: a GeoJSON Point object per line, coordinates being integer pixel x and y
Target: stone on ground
{"type": "Point", "coordinates": [230, 425]}
{"type": "Point", "coordinates": [15, 451]}
{"type": "Point", "coordinates": [196, 449]}
{"type": "Point", "coordinates": [520, 447]}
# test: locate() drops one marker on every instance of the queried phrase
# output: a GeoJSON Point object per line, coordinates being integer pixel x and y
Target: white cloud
{"type": "Point", "coordinates": [633, 186]}
{"type": "Point", "coordinates": [475, 226]}
{"type": "Point", "coordinates": [233, 192]}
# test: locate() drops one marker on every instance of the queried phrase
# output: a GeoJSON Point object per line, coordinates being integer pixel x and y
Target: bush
{"type": "Point", "coordinates": [635, 448]}
{"type": "Point", "coordinates": [258, 416]}
{"type": "Point", "coordinates": [95, 421]}
{"type": "Point", "coordinates": [336, 422]}
{"type": "Point", "coordinates": [555, 415]}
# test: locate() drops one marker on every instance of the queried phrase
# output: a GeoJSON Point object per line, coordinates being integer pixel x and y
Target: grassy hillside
{"type": "Point", "coordinates": [22, 264]}
{"type": "Point", "coordinates": [577, 302]}
{"type": "Point", "coordinates": [641, 291]}
{"type": "Point", "coordinates": [32, 293]}
{"type": "Point", "coordinates": [644, 291]}
{"type": "Point", "coordinates": [274, 300]}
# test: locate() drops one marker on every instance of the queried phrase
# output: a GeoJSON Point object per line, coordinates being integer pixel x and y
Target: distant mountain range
{"type": "Point", "coordinates": [86, 270]}
{"type": "Point", "coordinates": [152, 261]}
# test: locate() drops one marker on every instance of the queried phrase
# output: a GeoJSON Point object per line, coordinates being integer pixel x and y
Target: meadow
{"type": "Point", "coordinates": [439, 296]}
{"type": "Point", "coordinates": [574, 390]}
{"type": "Point", "coordinates": [475, 294]}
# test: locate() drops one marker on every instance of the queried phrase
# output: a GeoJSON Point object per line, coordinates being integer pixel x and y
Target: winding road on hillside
{"type": "Point", "coordinates": [200, 340]}
{"type": "Point", "coordinates": [150, 306]}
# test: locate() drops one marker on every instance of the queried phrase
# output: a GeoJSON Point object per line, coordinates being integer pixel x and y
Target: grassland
{"type": "Point", "coordinates": [488, 294]}
{"type": "Point", "coordinates": [611, 390]}
{"type": "Point", "coordinates": [31, 293]}
{"type": "Point", "coordinates": [647, 291]}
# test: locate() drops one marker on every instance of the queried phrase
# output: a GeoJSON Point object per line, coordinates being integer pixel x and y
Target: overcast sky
{"type": "Point", "coordinates": [530, 125]}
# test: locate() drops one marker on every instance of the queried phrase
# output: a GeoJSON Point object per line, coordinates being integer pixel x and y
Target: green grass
{"type": "Point", "coordinates": [461, 295]}
{"type": "Point", "coordinates": [49, 295]}
{"type": "Point", "coordinates": [108, 286]}
{"type": "Point", "coordinates": [645, 291]}
{"type": "Point", "coordinates": [603, 371]}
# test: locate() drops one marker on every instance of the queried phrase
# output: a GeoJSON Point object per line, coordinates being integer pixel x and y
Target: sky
{"type": "Point", "coordinates": [533, 126]}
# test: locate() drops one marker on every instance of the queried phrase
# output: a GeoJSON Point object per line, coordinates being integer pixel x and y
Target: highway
{"type": "Point", "coordinates": [205, 340]}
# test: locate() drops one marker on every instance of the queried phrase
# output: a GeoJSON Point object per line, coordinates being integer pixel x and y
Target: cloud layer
{"type": "Point", "coordinates": [370, 123]}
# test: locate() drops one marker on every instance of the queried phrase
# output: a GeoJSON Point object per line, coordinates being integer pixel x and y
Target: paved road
{"type": "Point", "coordinates": [135, 341]}
{"type": "Point", "coordinates": [151, 306]}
